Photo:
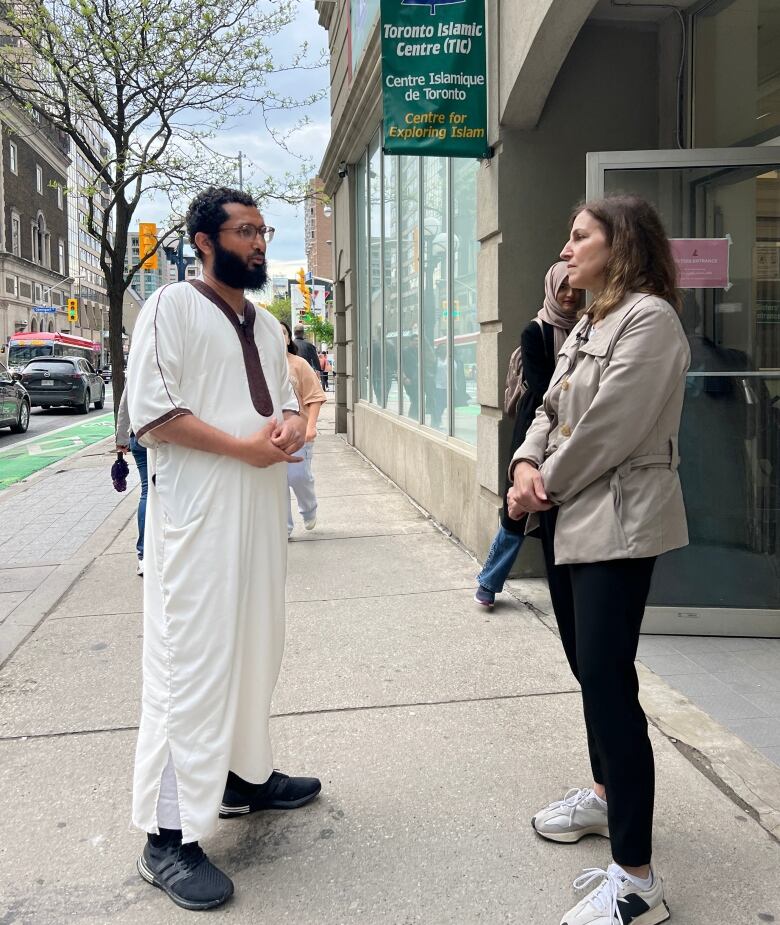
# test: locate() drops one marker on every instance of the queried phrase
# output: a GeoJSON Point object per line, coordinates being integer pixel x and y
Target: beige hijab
{"type": "Point", "coordinates": [551, 311]}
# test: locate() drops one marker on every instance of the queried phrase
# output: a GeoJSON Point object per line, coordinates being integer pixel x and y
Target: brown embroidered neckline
{"type": "Point", "coordinates": [258, 387]}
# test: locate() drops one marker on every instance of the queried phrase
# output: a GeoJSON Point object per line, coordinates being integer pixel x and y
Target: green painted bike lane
{"type": "Point", "coordinates": [23, 459]}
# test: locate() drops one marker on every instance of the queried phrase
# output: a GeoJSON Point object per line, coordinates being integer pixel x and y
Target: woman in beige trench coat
{"type": "Point", "coordinates": [597, 473]}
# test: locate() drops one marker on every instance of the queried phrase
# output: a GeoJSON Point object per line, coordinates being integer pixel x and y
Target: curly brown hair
{"type": "Point", "coordinates": [641, 256]}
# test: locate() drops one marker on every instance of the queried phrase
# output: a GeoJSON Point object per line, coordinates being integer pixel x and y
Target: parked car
{"type": "Point", "coordinates": [14, 402]}
{"type": "Point", "coordinates": [63, 381]}
{"type": "Point", "coordinates": [105, 373]}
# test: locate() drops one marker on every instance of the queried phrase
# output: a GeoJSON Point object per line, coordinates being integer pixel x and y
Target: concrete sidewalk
{"type": "Point", "coordinates": [437, 730]}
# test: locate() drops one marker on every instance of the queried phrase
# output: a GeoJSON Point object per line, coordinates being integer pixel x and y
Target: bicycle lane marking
{"type": "Point", "coordinates": [22, 460]}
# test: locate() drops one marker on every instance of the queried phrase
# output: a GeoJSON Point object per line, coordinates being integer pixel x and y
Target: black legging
{"type": "Point", "coordinates": [599, 608]}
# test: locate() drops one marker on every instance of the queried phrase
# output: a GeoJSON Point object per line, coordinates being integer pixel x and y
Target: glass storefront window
{"type": "Point", "coordinates": [409, 279]}
{"type": "Point", "coordinates": [417, 272]}
{"type": "Point", "coordinates": [390, 396]}
{"type": "Point", "coordinates": [364, 327]}
{"type": "Point", "coordinates": [465, 327]}
{"type": "Point", "coordinates": [375, 197]}
{"type": "Point", "coordinates": [730, 430]}
{"type": "Point", "coordinates": [435, 305]}
{"type": "Point", "coordinates": [736, 73]}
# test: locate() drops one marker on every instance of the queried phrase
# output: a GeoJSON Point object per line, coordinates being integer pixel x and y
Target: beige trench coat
{"type": "Point", "coordinates": [605, 436]}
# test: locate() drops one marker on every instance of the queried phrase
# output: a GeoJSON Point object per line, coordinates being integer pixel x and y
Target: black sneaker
{"type": "Point", "coordinates": [184, 873]}
{"type": "Point", "coordinates": [278, 792]}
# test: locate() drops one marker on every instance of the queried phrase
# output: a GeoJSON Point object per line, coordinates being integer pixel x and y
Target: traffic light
{"type": "Point", "coordinates": [73, 311]}
{"type": "Point", "coordinates": [307, 300]}
{"type": "Point", "coordinates": [302, 281]}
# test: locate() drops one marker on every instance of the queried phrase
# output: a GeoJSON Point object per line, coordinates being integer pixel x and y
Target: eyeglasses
{"type": "Point", "coordinates": [250, 232]}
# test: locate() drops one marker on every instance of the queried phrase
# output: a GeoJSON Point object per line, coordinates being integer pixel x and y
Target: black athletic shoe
{"type": "Point", "coordinates": [278, 792]}
{"type": "Point", "coordinates": [185, 874]}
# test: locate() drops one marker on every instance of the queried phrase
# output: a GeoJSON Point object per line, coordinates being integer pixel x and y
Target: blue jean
{"type": "Point", "coordinates": [301, 480]}
{"type": "Point", "coordinates": [500, 559]}
{"type": "Point", "coordinates": [139, 455]}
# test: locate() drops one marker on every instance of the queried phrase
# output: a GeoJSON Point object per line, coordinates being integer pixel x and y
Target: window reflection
{"type": "Point", "coordinates": [361, 208]}
{"type": "Point", "coordinates": [417, 256]}
{"type": "Point", "coordinates": [465, 327]}
{"type": "Point", "coordinates": [737, 73]}
{"type": "Point", "coordinates": [410, 286]}
{"type": "Point", "coordinates": [435, 238]}
{"type": "Point", "coordinates": [730, 429]}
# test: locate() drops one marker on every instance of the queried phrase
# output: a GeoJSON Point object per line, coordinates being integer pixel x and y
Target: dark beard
{"type": "Point", "coordinates": [231, 270]}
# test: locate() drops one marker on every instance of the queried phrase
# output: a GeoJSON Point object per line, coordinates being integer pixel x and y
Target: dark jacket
{"type": "Point", "coordinates": [308, 351]}
{"type": "Point", "coordinates": [537, 344]}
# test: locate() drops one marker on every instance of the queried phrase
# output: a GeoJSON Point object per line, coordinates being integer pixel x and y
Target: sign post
{"type": "Point", "coordinates": [434, 77]}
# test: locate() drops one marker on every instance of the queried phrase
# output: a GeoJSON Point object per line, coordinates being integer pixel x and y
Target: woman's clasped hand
{"type": "Point", "coordinates": [527, 494]}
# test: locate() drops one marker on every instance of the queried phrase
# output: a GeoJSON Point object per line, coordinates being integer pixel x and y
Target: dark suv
{"type": "Point", "coordinates": [63, 381]}
{"type": "Point", "coordinates": [14, 403]}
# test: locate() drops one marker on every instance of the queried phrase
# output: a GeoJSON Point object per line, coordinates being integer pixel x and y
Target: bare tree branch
{"type": "Point", "coordinates": [159, 81]}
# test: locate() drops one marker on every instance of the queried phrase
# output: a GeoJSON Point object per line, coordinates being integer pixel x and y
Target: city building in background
{"type": "Point", "coordinates": [439, 264]}
{"type": "Point", "coordinates": [88, 280]}
{"type": "Point", "coordinates": [34, 265]}
{"type": "Point", "coordinates": [318, 230]}
{"type": "Point", "coordinates": [149, 278]}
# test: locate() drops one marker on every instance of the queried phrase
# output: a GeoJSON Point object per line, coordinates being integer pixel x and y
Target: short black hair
{"type": "Point", "coordinates": [206, 212]}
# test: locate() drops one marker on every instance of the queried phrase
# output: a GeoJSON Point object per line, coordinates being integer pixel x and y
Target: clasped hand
{"type": "Point", "coordinates": [276, 442]}
{"type": "Point", "coordinates": [527, 493]}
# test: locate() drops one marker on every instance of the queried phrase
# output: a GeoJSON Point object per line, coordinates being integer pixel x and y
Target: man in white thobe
{"type": "Point", "coordinates": [210, 397]}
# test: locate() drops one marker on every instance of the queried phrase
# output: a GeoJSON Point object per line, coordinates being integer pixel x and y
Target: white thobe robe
{"type": "Point", "coordinates": [215, 553]}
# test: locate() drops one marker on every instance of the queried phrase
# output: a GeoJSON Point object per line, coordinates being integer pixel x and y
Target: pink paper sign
{"type": "Point", "coordinates": [702, 263]}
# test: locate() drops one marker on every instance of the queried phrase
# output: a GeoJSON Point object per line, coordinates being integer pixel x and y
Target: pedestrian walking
{"type": "Point", "coordinates": [306, 349]}
{"type": "Point", "coordinates": [598, 471]}
{"type": "Point", "coordinates": [539, 345]}
{"type": "Point", "coordinates": [211, 399]}
{"type": "Point", "coordinates": [126, 441]}
{"type": "Point", "coordinates": [300, 477]}
{"type": "Point", "coordinates": [324, 368]}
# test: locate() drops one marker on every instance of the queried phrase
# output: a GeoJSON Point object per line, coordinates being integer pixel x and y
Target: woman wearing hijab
{"type": "Point", "coordinates": [539, 344]}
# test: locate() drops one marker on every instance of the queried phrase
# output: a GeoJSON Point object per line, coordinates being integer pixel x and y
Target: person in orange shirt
{"type": "Point", "coordinates": [310, 397]}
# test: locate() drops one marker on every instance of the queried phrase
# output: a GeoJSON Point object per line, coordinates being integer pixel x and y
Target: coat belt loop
{"type": "Point", "coordinates": [675, 460]}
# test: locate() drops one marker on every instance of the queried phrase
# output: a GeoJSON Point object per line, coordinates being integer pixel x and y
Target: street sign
{"type": "Point", "coordinates": [44, 309]}
{"type": "Point", "coordinates": [434, 77]}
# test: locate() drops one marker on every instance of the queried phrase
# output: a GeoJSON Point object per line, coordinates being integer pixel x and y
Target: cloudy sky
{"type": "Point", "coordinates": [250, 136]}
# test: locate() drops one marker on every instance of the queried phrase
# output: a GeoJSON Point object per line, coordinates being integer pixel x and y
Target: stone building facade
{"type": "Point", "coordinates": [318, 230]}
{"type": "Point", "coordinates": [34, 266]}
{"type": "Point", "coordinates": [439, 264]}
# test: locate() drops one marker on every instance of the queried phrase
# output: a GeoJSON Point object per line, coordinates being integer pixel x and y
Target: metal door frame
{"type": "Point", "coordinates": [688, 621]}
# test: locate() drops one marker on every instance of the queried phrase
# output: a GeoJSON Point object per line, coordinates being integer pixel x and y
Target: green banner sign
{"type": "Point", "coordinates": [434, 77]}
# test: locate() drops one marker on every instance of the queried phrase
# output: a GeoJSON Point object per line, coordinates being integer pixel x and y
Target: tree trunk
{"type": "Point", "coordinates": [116, 298]}
{"type": "Point", "coordinates": [116, 352]}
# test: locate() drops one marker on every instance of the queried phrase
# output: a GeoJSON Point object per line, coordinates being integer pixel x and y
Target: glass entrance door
{"type": "Point", "coordinates": [720, 202]}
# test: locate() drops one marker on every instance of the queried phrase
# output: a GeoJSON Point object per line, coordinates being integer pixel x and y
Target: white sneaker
{"type": "Point", "coordinates": [311, 523]}
{"type": "Point", "coordinates": [617, 900]}
{"type": "Point", "coordinates": [579, 813]}
{"type": "Point", "coordinates": [139, 569]}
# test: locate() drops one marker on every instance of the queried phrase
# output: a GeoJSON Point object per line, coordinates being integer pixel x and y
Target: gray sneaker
{"type": "Point", "coordinates": [578, 813]}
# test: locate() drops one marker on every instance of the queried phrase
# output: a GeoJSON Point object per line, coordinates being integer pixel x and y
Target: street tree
{"type": "Point", "coordinates": [321, 330]}
{"type": "Point", "coordinates": [155, 83]}
{"type": "Point", "coordinates": [281, 309]}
